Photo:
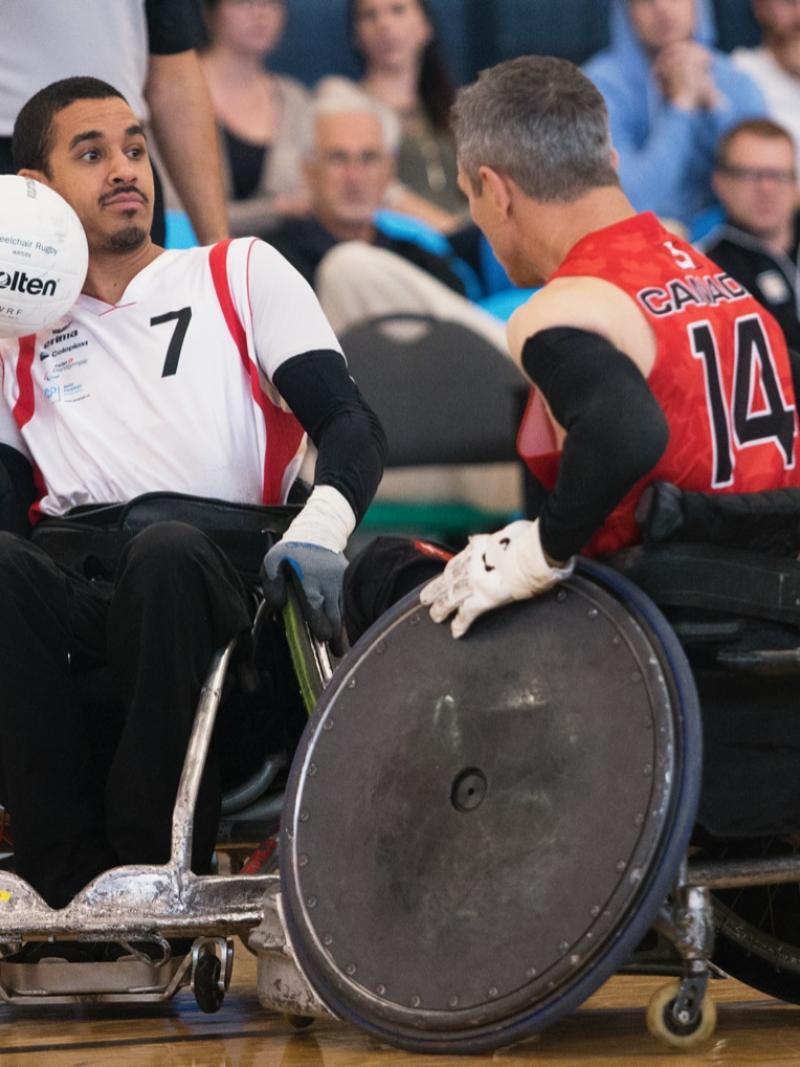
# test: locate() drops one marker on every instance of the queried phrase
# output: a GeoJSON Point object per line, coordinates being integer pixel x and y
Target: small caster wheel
{"type": "Point", "coordinates": [662, 1024]}
{"type": "Point", "coordinates": [208, 991]}
{"type": "Point", "coordinates": [299, 1022]}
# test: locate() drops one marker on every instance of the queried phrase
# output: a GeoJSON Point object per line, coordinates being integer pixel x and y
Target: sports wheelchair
{"type": "Point", "coordinates": [520, 817]}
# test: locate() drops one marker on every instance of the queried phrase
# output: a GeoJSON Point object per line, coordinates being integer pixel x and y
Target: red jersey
{"type": "Point", "coordinates": [721, 373]}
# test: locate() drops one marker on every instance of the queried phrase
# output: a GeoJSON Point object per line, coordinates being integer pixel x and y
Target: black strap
{"type": "Point", "coordinates": [89, 540]}
{"type": "Point", "coordinates": [767, 522]}
{"type": "Point", "coordinates": [715, 579]}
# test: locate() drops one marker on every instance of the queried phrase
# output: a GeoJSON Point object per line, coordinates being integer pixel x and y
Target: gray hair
{"type": "Point", "coordinates": [337, 96]}
{"type": "Point", "coordinates": [539, 120]}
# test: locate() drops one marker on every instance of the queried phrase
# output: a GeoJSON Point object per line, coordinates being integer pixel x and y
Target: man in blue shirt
{"type": "Point", "coordinates": [670, 97]}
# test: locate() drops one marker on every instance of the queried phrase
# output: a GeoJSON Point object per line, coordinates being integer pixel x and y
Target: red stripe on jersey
{"type": "Point", "coordinates": [26, 401]}
{"type": "Point", "coordinates": [284, 432]}
{"type": "Point", "coordinates": [23, 413]}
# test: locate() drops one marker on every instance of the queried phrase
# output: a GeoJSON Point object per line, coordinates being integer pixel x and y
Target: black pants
{"type": "Point", "coordinates": [382, 573]}
{"type": "Point", "coordinates": [175, 599]}
{"type": "Point", "coordinates": [158, 231]}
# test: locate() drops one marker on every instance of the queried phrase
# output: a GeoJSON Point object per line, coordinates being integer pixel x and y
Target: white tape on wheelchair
{"type": "Point", "coordinates": [494, 569]}
{"type": "Point", "coordinates": [327, 520]}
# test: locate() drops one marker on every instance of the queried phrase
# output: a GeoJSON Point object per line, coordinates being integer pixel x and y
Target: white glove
{"type": "Point", "coordinates": [494, 569]}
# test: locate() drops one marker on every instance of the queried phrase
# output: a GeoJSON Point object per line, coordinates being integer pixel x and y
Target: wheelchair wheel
{"type": "Point", "coordinates": [662, 1023]}
{"type": "Point", "coordinates": [758, 928]}
{"type": "Point", "coordinates": [478, 833]}
{"type": "Point", "coordinates": [209, 991]}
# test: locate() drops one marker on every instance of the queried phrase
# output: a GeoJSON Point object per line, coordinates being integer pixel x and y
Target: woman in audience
{"type": "Point", "coordinates": [404, 68]}
{"type": "Point", "coordinates": [258, 113]}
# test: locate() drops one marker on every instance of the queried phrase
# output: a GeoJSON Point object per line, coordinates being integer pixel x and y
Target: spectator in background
{"type": "Point", "coordinates": [759, 244]}
{"type": "Point", "coordinates": [258, 113]}
{"type": "Point", "coordinates": [670, 98]}
{"type": "Point", "coordinates": [775, 66]}
{"type": "Point", "coordinates": [359, 272]}
{"type": "Point", "coordinates": [357, 269]}
{"type": "Point", "coordinates": [404, 69]}
{"type": "Point", "coordinates": [147, 48]}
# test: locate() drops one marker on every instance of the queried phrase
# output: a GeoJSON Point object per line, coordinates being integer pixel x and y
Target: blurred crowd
{"type": "Point", "coordinates": [706, 140]}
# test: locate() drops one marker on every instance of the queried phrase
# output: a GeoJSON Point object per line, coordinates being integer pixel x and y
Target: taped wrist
{"type": "Point", "coordinates": [327, 520]}
{"type": "Point", "coordinates": [615, 429]}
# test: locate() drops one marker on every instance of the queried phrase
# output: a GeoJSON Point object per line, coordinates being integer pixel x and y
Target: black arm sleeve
{"type": "Point", "coordinates": [17, 491]}
{"type": "Point", "coordinates": [349, 439]}
{"type": "Point", "coordinates": [174, 26]}
{"type": "Point", "coordinates": [616, 431]}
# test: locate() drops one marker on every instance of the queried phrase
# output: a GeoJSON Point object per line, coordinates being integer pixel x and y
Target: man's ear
{"type": "Point", "coordinates": [615, 159]}
{"type": "Point", "coordinates": [37, 175]}
{"type": "Point", "coordinates": [496, 189]}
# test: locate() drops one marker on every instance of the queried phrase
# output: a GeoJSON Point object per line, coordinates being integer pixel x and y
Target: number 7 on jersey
{"type": "Point", "coordinates": [181, 319]}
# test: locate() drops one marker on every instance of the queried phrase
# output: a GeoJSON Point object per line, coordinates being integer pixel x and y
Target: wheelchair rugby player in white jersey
{"type": "Point", "coordinates": [180, 387]}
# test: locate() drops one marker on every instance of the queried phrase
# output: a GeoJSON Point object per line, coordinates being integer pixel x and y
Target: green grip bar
{"type": "Point", "coordinates": [302, 652]}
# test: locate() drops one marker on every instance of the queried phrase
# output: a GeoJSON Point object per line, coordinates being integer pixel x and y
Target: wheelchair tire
{"type": "Point", "coordinates": [663, 1025]}
{"type": "Point", "coordinates": [206, 982]}
{"type": "Point", "coordinates": [478, 833]}
{"type": "Point", "coordinates": [757, 938]}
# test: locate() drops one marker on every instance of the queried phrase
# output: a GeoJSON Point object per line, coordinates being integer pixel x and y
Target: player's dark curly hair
{"type": "Point", "coordinates": [436, 88]}
{"type": "Point", "coordinates": [32, 140]}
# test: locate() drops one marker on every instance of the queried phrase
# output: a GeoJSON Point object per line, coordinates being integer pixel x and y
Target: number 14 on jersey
{"type": "Point", "coordinates": [737, 423]}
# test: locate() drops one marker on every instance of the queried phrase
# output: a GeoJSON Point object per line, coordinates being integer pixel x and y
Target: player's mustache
{"type": "Point", "coordinates": [123, 190]}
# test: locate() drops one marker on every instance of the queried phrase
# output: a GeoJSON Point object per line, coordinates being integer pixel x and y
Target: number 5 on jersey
{"type": "Point", "coordinates": [737, 425]}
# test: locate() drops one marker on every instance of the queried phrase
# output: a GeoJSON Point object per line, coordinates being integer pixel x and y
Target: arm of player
{"type": "Point", "coordinates": [586, 383]}
{"type": "Point", "coordinates": [298, 351]}
{"type": "Point", "coordinates": [183, 123]}
{"type": "Point", "coordinates": [351, 450]}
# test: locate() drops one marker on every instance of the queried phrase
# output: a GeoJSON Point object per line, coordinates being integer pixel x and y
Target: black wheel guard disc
{"type": "Point", "coordinates": [468, 821]}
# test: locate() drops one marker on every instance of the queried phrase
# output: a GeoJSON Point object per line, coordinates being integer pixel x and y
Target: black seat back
{"type": "Point", "coordinates": [443, 393]}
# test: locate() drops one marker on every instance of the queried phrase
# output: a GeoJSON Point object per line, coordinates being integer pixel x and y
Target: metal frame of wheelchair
{"type": "Point", "coordinates": [153, 903]}
{"type": "Point", "coordinates": [149, 904]}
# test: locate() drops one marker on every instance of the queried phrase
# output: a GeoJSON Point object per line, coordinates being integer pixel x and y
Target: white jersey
{"type": "Point", "coordinates": [169, 389]}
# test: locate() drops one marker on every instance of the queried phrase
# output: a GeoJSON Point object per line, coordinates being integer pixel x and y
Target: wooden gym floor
{"type": "Point", "coordinates": [609, 1031]}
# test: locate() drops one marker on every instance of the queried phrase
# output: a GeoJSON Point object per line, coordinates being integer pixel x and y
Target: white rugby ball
{"type": "Point", "coordinates": [44, 256]}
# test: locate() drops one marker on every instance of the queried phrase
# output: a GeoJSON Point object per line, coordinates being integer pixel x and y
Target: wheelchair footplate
{"type": "Point", "coordinates": [106, 948]}
{"type": "Point", "coordinates": [132, 976]}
